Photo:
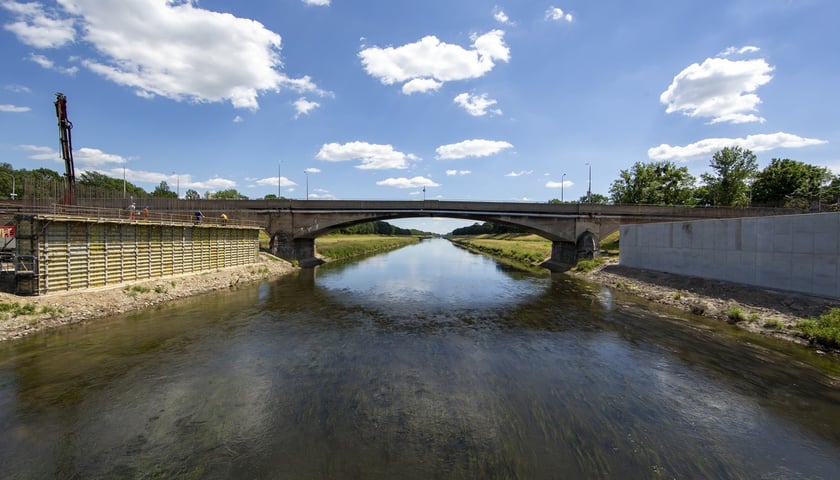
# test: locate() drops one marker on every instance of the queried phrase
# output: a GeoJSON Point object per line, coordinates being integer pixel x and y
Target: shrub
{"type": "Point", "coordinates": [824, 330]}
{"type": "Point", "coordinates": [735, 314]}
{"type": "Point", "coordinates": [586, 266]}
{"type": "Point", "coordinates": [774, 324]}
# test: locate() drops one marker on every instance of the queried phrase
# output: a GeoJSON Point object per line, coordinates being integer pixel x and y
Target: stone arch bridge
{"type": "Point", "coordinates": [575, 230]}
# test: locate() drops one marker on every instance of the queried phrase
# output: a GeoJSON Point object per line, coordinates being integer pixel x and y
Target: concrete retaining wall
{"type": "Point", "coordinates": [793, 252]}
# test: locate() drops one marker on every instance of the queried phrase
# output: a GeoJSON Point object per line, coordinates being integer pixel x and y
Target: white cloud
{"type": "Point", "coordinates": [476, 105]}
{"type": "Point", "coordinates": [519, 173]}
{"type": "Point", "coordinates": [238, 119]}
{"type": "Point", "coordinates": [738, 51]}
{"type": "Point", "coordinates": [272, 181]}
{"type": "Point", "coordinates": [557, 14]}
{"type": "Point", "coordinates": [48, 64]}
{"type": "Point", "coordinates": [452, 173]}
{"type": "Point", "coordinates": [552, 184]}
{"type": "Point", "coordinates": [372, 156]}
{"type": "Point", "coordinates": [471, 148]}
{"type": "Point", "coordinates": [420, 85]}
{"type": "Point", "coordinates": [38, 28]}
{"type": "Point", "coordinates": [403, 182]}
{"type": "Point", "coordinates": [720, 89]}
{"type": "Point", "coordinates": [176, 50]}
{"type": "Point", "coordinates": [708, 146]}
{"type": "Point", "coordinates": [312, 170]}
{"type": "Point", "coordinates": [18, 88]}
{"type": "Point", "coordinates": [95, 157]}
{"type": "Point", "coordinates": [501, 16]}
{"type": "Point", "coordinates": [38, 152]}
{"type": "Point", "coordinates": [320, 3]}
{"type": "Point", "coordinates": [13, 108]}
{"type": "Point", "coordinates": [304, 106]}
{"type": "Point", "coordinates": [429, 60]}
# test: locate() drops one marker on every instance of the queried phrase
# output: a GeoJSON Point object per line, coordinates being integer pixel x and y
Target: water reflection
{"type": "Point", "coordinates": [428, 362]}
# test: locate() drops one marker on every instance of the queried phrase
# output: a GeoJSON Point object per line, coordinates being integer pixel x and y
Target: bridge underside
{"type": "Point", "coordinates": [573, 237]}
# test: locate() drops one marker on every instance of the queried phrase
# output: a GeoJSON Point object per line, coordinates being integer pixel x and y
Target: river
{"type": "Point", "coordinates": [426, 362]}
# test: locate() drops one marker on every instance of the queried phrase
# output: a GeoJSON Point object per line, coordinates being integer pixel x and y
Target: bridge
{"type": "Point", "coordinates": [575, 229]}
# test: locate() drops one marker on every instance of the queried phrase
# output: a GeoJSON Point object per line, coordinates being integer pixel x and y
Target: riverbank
{"type": "Point", "coordinates": [756, 310]}
{"type": "Point", "coordinates": [20, 316]}
{"type": "Point", "coordinates": [338, 246]}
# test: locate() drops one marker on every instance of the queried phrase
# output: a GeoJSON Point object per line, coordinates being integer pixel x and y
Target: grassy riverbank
{"type": "Point", "coordinates": [340, 246]}
{"type": "Point", "coordinates": [528, 250]}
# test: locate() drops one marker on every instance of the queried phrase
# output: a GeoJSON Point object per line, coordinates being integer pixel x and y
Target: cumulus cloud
{"type": "Point", "coordinates": [519, 173]}
{"type": "Point", "coordinates": [471, 148]}
{"type": "Point", "coordinates": [372, 156]}
{"type": "Point", "coordinates": [171, 49]}
{"type": "Point", "coordinates": [39, 152]}
{"type": "Point", "coordinates": [304, 106]}
{"type": "Point", "coordinates": [476, 105]}
{"type": "Point", "coordinates": [428, 63]}
{"type": "Point", "coordinates": [37, 27]}
{"type": "Point", "coordinates": [708, 146]}
{"type": "Point", "coordinates": [319, 3]}
{"type": "Point", "coordinates": [738, 51]}
{"type": "Point", "coordinates": [18, 88]}
{"type": "Point", "coordinates": [95, 157]}
{"type": "Point", "coordinates": [452, 173]}
{"type": "Point", "coordinates": [557, 14]}
{"type": "Point", "coordinates": [13, 108]}
{"type": "Point", "coordinates": [403, 182]}
{"type": "Point", "coordinates": [273, 181]}
{"type": "Point", "coordinates": [563, 184]}
{"type": "Point", "coordinates": [720, 89]}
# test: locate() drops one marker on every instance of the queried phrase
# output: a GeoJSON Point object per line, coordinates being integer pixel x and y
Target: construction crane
{"type": "Point", "coordinates": [64, 128]}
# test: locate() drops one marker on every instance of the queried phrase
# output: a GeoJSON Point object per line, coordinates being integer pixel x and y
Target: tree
{"type": "Point", "coordinates": [229, 194]}
{"type": "Point", "coordinates": [163, 190]}
{"type": "Point", "coordinates": [727, 186]}
{"type": "Point", "coordinates": [786, 182]}
{"type": "Point", "coordinates": [658, 183]}
{"type": "Point", "coordinates": [270, 196]}
{"type": "Point", "coordinates": [99, 181]}
{"type": "Point", "coordinates": [595, 197]}
{"type": "Point", "coordinates": [192, 195]}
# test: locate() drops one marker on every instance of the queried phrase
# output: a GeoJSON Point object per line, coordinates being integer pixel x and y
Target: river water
{"type": "Point", "coordinates": [427, 362]}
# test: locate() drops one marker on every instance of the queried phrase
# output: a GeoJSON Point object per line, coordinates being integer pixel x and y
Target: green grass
{"type": "Point", "coordinates": [824, 330]}
{"type": "Point", "coordinates": [15, 309]}
{"type": "Point", "coordinates": [609, 244]}
{"type": "Point", "coordinates": [341, 246]}
{"type": "Point", "coordinates": [586, 266]}
{"type": "Point", "coordinates": [773, 324]}
{"type": "Point", "coordinates": [735, 314]}
{"type": "Point", "coordinates": [525, 249]}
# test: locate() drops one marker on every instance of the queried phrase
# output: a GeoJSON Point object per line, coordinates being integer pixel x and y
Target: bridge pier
{"type": "Point", "coordinates": [565, 255]}
{"type": "Point", "coordinates": [301, 250]}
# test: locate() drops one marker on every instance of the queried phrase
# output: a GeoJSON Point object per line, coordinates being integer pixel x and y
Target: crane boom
{"type": "Point", "coordinates": [64, 137]}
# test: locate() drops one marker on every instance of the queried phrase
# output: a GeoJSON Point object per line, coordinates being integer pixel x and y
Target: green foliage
{"type": "Point", "coordinates": [586, 266]}
{"type": "Point", "coordinates": [375, 228]}
{"type": "Point", "coordinates": [786, 180]}
{"type": "Point", "coordinates": [15, 309]}
{"type": "Point", "coordinates": [824, 330]}
{"type": "Point", "coordinates": [339, 246]}
{"type": "Point", "coordinates": [773, 324]}
{"type": "Point", "coordinates": [526, 250]}
{"type": "Point", "coordinates": [192, 195]}
{"type": "Point", "coordinates": [164, 191]}
{"type": "Point", "coordinates": [104, 182]}
{"type": "Point", "coordinates": [134, 290]}
{"type": "Point", "coordinates": [229, 194]}
{"type": "Point", "coordinates": [727, 185]}
{"type": "Point", "coordinates": [658, 183]}
{"type": "Point", "coordinates": [485, 228]}
{"type": "Point", "coordinates": [735, 314]}
{"type": "Point", "coordinates": [596, 198]}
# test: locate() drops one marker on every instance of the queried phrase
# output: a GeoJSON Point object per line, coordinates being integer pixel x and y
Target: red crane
{"type": "Point", "coordinates": [64, 127]}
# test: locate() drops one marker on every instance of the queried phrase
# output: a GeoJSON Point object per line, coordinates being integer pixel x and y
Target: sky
{"type": "Point", "coordinates": [474, 100]}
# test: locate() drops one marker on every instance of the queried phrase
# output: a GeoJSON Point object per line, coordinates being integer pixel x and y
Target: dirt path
{"type": "Point", "coordinates": [51, 311]}
{"type": "Point", "coordinates": [764, 311]}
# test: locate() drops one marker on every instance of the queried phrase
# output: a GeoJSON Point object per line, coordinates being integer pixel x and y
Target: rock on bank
{"type": "Point", "coordinates": [21, 316]}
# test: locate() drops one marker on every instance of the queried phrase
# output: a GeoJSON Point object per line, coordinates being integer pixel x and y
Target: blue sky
{"type": "Point", "coordinates": [473, 100]}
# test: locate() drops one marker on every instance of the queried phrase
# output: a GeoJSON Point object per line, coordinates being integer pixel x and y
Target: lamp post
{"type": "Point", "coordinates": [589, 190]}
{"type": "Point", "coordinates": [278, 179]}
{"type": "Point", "coordinates": [307, 183]}
{"type": "Point", "coordinates": [13, 194]}
{"type": "Point", "coordinates": [562, 182]}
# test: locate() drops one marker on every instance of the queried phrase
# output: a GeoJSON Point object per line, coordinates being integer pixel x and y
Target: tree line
{"type": "Point", "coordinates": [734, 180]}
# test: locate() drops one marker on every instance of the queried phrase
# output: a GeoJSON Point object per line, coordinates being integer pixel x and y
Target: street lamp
{"type": "Point", "coordinates": [589, 191]}
{"type": "Point", "coordinates": [562, 181]}
{"type": "Point", "coordinates": [306, 172]}
{"type": "Point", "coordinates": [13, 194]}
{"type": "Point", "coordinates": [278, 179]}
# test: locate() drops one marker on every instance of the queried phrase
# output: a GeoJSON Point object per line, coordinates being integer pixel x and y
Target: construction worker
{"type": "Point", "coordinates": [223, 218]}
